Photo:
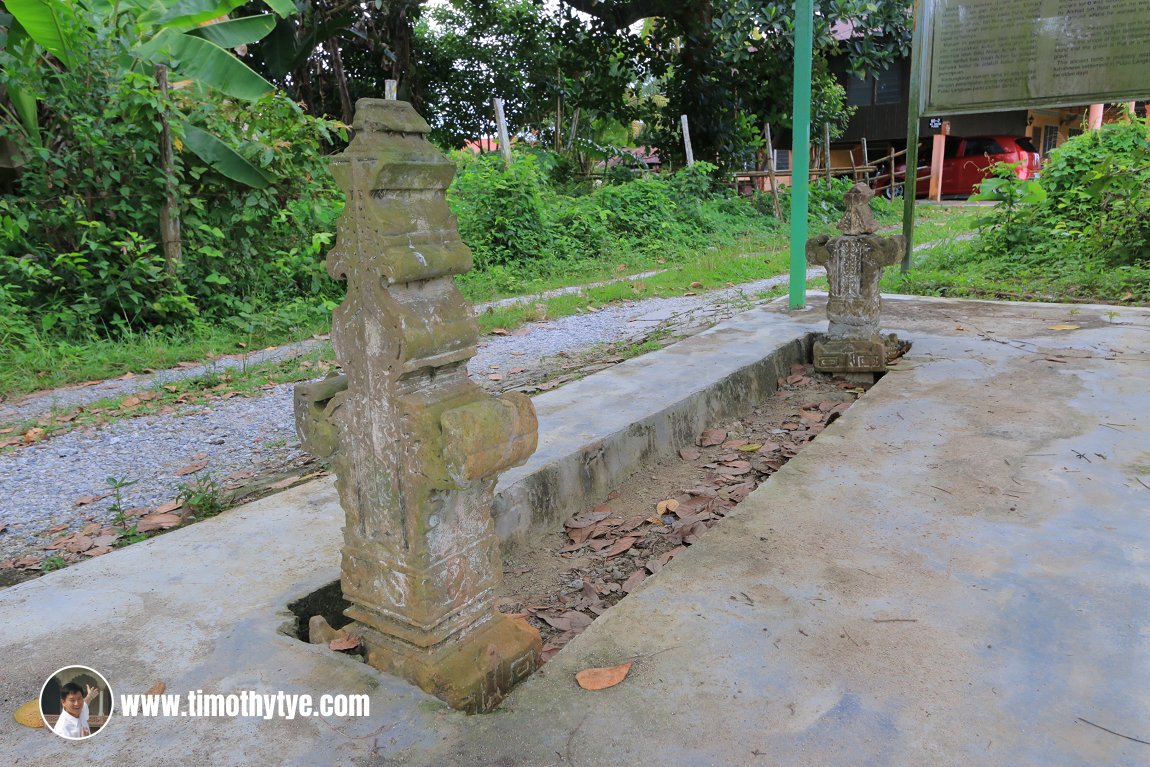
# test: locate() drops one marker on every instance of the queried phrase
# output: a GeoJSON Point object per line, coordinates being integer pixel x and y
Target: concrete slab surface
{"type": "Point", "coordinates": [954, 573]}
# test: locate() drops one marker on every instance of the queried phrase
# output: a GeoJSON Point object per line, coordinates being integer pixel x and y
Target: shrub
{"type": "Point", "coordinates": [80, 246]}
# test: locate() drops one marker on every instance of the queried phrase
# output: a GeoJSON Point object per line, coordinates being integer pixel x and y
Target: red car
{"type": "Point", "coordinates": [966, 162]}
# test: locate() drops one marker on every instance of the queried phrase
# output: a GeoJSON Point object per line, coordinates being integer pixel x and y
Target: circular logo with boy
{"type": "Point", "coordinates": [76, 702]}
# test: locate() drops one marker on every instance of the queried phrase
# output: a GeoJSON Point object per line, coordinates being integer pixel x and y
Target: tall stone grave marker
{"type": "Point", "coordinates": [416, 445]}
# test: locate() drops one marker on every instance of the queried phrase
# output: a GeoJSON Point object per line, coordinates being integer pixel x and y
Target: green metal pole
{"type": "Point", "coordinates": [913, 115]}
{"type": "Point", "coordinates": [801, 150]}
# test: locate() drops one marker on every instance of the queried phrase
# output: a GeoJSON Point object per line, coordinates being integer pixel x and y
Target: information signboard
{"type": "Point", "coordinates": [990, 55]}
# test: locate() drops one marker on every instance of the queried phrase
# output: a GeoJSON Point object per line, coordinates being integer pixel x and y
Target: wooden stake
{"type": "Point", "coordinates": [771, 174]}
{"type": "Point", "coordinates": [827, 149]}
{"type": "Point", "coordinates": [501, 126]}
{"type": "Point", "coordinates": [687, 141]}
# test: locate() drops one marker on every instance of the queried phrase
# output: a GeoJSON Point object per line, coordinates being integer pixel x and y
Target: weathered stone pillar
{"type": "Point", "coordinates": [417, 445]}
{"type": "Point", "coordinates": [854, 264]}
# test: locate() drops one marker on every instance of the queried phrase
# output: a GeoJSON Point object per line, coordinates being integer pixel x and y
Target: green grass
{"type": "Point", "coordinates": [739, 249]}
{"type": "Point", "coordinates": [48, 363]}
{"type": "Point", "coordinates": [213, 384]}
{"type": "Point", "coordinates": [961, 269]}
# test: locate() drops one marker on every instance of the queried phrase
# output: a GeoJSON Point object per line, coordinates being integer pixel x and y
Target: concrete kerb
{"type": "Point", "coordinates": [200, 607]}
{"type": "Point", "coordinates": [596, 432]}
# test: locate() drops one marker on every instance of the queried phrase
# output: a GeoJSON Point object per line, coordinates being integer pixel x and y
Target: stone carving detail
{"type": "Point", "coordinates": [416, 445]}
{"type": "Point", "coordinates": [854, 264]}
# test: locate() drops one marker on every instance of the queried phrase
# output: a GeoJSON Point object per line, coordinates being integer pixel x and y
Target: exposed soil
{"type": "Point", "coordinates": [571, 577]}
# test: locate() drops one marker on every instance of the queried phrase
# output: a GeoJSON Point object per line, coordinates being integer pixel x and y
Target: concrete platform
{"type": "Point", "coordinates": [955, 572]}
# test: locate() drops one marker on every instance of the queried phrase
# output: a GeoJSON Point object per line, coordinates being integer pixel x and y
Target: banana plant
{"type": "Point", "coordinates": [192, 39]}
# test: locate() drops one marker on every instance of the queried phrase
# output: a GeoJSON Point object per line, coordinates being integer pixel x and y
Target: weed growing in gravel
{"type": "Point", "coordinates": [117, 486]}
{"type": "Point", "coordinates": [130, 536]}
{"type": "Point", "coordinates": [202, 498]}
{"type": "Point", "coordinates": [54, 562]}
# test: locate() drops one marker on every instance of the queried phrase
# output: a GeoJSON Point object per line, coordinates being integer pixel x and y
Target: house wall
{"type": "Point", "coordinates": [878, 122]}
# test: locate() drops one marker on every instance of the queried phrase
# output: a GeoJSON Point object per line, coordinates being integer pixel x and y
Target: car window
{"type": "Point", "coordinates": [926, 148]}
{"type": "Point", "coordinates": [980, 145]}
{"type": "Point", "coordinates": [1025, 144]}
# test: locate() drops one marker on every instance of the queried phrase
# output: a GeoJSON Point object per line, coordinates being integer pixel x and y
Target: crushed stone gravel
{"type": "Point", "coordinates": [41, 483]}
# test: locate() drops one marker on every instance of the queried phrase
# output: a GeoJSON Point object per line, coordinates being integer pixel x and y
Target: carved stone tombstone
{"type": "Point", "coordinates": [416, 445]}
{"type": "Point", "coordinates": [854, 264]}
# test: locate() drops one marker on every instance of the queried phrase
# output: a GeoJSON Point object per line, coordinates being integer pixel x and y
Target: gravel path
{"type": "Point", "coordinates": [41, 483]}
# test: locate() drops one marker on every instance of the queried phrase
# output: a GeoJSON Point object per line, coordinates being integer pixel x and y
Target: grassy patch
{"type": "Point", "coordinates": [160, 399]}
{"type": "Point", "coordinates": [47, 362]}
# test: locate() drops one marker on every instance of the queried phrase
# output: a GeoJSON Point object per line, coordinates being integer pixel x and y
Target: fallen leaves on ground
{"type": "Point", "coordinates": [150, 522]}
{"type": "Point", "coordinates": [712, 437]}
{"type": "Point", "coordinates": [617, 548]}
{"type": "Point", "coordinates": [601, 678]}
{"type": "Point", "coordinates": [285, 482]}
{"type": "Point", "coordinates": [191, 468]}
{"type": "Point", "coordinates": [157, 689]}
{"type": "Point", "coordinates": [170, 506]}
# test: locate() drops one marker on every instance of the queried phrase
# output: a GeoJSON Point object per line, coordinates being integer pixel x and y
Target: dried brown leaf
{"type": "Point", "coordinates": [97, 551]}
{"type": "Point", "coordinates": [152, 522]}
{"type": "Point", "coordinates": [587, 520]}
{"type": "Point", "coordinates": [601, 678]}
{"type": "Point", "coordinates": [633, 580]}
{"type": "Point", "coordinates": [170, 506]}
{"type": "Point", "coordinates": [157, 689]}
{"type": "Point", "coordinates": [620, 546]}
{"type": "Point", "coordinates": [78, 543]}
{"type": "Point", "coordinates": [192, 468]}
{"type": "Point", "coordinates": [689, 453]}
{"type": "Point", "coordinates": [712, 437]}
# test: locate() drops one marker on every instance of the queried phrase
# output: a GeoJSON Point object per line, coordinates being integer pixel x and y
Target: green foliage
{"type": "Point", "coordinates": [1079, 232]}
{"type": "Point", "coordinates": [826, 202]}
{"type": "Point", "coordinates": [202, 498]}
{"type": "Point", "coordinates": [80, 249]}
{"type": "Point", "coordinates": [523, 225]}
{"type": "Point", "coordinates": [1089, 203]}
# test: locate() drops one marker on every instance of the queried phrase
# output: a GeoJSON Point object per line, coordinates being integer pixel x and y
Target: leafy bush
{"type": "Point", "coordinates": [826, 202]}
{"type": "Point", "coordinates": [80, 244]}
{"type": "Point", "coordinates": [500, 208]}
{"type": "Point", "coordinates": [528, 221]}
{"type": "Point", "coordinates": [1080, 231]}
{"type": "Point", "coordinates": [1089, 202]}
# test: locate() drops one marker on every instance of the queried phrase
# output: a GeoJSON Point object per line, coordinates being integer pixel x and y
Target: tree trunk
{"type": "Point", "coordinates": [345, 107]}
{"type": "Point", "coordinates": [170, 210]}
